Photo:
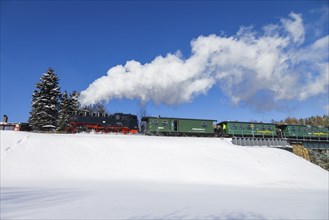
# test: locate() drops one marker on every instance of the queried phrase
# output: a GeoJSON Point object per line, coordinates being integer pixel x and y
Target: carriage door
{"type": "Point", "coordinates": [175, 125]}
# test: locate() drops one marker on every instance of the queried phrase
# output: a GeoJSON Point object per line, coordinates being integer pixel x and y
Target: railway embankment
{"type": "Point", "coordinates": [319, 157]}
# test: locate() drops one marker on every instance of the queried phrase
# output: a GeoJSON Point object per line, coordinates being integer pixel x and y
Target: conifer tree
{"type": "Point", "coordinates": [100, 108]}
{"type": "Point", "coordinates": [45, 101]}
{"type": "Point", "coordinates": [74, 103]}
{"type": "Point", "coordinates": [64, 112]}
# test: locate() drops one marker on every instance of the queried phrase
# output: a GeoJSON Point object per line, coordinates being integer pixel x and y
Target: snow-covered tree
{"type": "Point", "coordinates": [64, 112]}
{"type": "Point", "coordinates": [45, 101]}
{"type": "Point", "coordinates": [100, 108]}
{"type": "Point", "coordinates": [97, 108]}
{"type": "Point", "coordinates": [74, 103]}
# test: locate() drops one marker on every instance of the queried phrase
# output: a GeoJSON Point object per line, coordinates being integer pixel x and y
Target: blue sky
{"type": "Point", "coordinates": [82, 40]}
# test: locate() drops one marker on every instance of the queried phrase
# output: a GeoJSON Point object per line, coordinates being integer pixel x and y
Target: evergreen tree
{"type": "Point", "coordinates": [88, 109]}
{"type": "Point", "coordinates": [94, 109]}
{"type": "Point", "coordinates": [33, 119]}
{"type": "Point", "coordinates": [100, 108]}
{"type": "Point", "coordinates": [45, 101]}
{"type": "Point", "coordinates": [64, 112]}
{"type": "Point", "coordinates": [74, 103]}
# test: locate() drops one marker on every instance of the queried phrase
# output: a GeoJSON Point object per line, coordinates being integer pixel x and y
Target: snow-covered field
{"type": "Point", "coordinates": [93, 176]}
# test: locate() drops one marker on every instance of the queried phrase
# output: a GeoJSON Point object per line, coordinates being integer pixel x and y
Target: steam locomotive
{"type": "Point", "coordinates": [116, 123]}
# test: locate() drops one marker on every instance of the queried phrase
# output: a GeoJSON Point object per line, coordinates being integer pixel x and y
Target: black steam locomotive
{"type": "Point", "coordinates": [105, 123]}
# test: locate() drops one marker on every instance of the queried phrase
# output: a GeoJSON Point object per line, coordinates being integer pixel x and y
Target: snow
{"type": "Point", "coordinates": [94, 176]}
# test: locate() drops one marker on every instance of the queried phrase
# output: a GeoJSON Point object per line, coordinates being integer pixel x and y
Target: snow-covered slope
{"type": "Point", "coordinates": [34, 160]}
{"type": "Point", "coordinates": [33, 157]}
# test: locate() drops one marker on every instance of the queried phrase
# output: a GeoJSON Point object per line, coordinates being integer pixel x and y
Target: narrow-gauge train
{"type": "Point", "coordinates": [128, 123]}
{"type": "Point", "coordinates": [242, 133]}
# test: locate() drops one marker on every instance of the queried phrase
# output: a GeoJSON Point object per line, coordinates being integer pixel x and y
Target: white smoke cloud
{"type": "Point", "coordinates": [245, 66]}
{"type": "Point", "coordinates": [295, 27]}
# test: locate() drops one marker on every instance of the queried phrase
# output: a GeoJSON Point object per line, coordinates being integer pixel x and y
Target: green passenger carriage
{"type": "Point", "coordinates": [304, 132]}
{"type": "Point", "coordinates": [177, 126]}
{"type": "Point", "coordinates": [246, 129]}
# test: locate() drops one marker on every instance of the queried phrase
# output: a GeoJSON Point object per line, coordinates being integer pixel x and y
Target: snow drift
{"type": "Point", "coordinates": [117, 176]}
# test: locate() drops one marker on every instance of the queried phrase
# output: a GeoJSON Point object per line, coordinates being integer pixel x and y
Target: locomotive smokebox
{"type": "Point", "coordinates": [5, 118]}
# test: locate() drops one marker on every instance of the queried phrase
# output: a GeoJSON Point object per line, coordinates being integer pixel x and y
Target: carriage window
{"type": "Point", "coordinates": [270, 128]}
{"type": "Point", "coordinates": [249, 127]}
{"type": "Point", "coordinates": [164, 122]}
{"type": "Point", "coordinates": [233, 126]}
{"type": "Point", "coordinates": [156, 122]}
{"type": "Point", "coordinates": [322, 129]}
{"type": "Point", "coordinates": [204, 124]}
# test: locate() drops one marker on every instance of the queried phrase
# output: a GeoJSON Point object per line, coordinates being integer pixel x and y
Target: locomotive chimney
{"type": "Point", "coordinates": [5, 118]}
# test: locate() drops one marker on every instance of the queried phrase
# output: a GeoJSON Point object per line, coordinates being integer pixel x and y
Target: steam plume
{"type": "Point", "coordinates": [245, 66]}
